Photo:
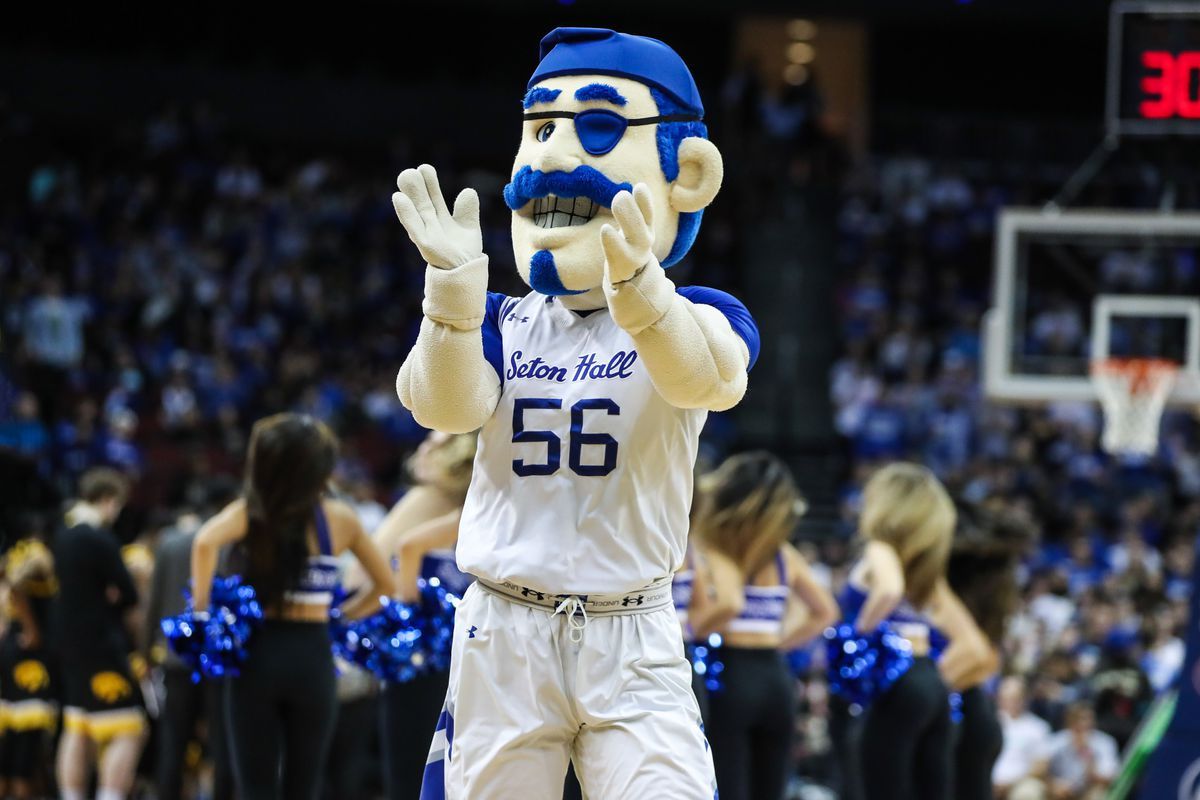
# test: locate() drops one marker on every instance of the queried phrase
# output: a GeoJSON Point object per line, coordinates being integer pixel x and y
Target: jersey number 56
{"type": "Point", "coordinates": [577, 439]}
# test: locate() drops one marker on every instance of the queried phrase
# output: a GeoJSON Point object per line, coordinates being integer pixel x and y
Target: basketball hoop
{"type": "Point", "coordinates": [1133, 393]}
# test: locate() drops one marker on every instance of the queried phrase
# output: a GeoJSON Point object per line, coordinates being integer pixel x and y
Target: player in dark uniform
{"type": "Point", "coordinates": [103, 716]}
{"type": "Point", "coordinates": [29, 684]}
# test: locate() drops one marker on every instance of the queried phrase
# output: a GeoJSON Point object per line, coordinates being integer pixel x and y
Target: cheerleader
{"type": "Point", "coordinates": [287, 538]}
{"type": "Point", "coordinates": [902, 748]}
{"type": "Point", "coordinates": [702, 609]}
{"type": "Point", "coordinates": [420, 533]}
{"type": "Point", "coordinates": [748, 508]}
{"type": "Point", "coordinates": [983, 572]}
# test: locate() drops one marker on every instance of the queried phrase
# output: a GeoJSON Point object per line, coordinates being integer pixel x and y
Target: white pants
{"type": "Point", "coordinates": [525, 697]}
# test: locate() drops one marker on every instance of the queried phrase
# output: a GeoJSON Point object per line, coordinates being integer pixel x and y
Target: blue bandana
{"type": "Point", "coordinates": [599, 51]}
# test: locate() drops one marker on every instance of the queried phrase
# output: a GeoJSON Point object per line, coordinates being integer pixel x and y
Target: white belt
{"type": "Point", "coordinates": [578, 607]}
{"type": "Point", "coordinates": [640, 601]}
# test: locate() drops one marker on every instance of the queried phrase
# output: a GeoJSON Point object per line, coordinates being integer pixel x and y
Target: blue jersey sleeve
{"type": "Point", "coordinates": [738, 315]}
{"type": "Point", "coordinates": [493, 340]}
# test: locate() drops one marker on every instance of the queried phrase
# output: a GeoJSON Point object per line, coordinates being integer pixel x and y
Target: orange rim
{"type": "Point", "coordinates": [1144, 373]}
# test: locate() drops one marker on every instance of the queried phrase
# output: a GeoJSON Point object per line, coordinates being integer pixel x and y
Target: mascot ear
{"type": "Point", "coordinates": [700, 172]}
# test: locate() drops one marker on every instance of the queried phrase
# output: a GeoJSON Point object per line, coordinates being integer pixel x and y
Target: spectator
{"type": "Point", "coordinates": [53, 342]}
{"type": "Point", "coordinates": [26, 433]}
{"type": "Point", "coordinates": [1080, 762]}
{"type": "Point", "coordinates": [78, 442]}
{"type": "Point", "coordinates": [120, 448]}
{"type": "Point", "coordinates": [180, 409]}
{"type": "Point", "coordinates": [1048, 603]}
{"type": "Point", "coordinates": [1026, 737]}
{"type": "Point", "coordinates": [1134, 554]}
{"type": "Point", "coordinates": [1164, 650]}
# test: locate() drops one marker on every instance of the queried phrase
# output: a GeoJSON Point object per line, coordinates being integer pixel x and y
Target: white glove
{"type": "Point", "coordinates": [639, 292]}
{"type": "Point", "coordinates": [445, 240]}
{"type": "Point", "coordinates": [628, 250]}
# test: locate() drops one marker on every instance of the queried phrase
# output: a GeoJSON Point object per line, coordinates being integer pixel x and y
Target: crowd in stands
{"type": "Point", "coordinates": [161, 293]}
{"type": "Point", "coordinates": [1106, 587]}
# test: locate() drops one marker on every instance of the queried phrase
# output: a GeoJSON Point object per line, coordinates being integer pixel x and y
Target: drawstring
{"type": "Point", "coordinates": [573, 606]}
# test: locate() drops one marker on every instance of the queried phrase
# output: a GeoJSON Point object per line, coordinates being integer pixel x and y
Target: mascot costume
{"type": "Point", "coordinates": [591, 392]}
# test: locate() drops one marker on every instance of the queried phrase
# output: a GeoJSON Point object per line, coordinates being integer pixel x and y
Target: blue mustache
{"type": "Point", "coordinates": [583, 181]}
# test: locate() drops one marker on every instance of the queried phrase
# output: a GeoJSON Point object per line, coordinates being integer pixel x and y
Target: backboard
{"type": "Point", "coordinates": [1071, 287]}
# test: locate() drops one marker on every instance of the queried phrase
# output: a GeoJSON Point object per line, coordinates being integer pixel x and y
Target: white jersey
{"type": "Point", "coordinates": [583, 476]}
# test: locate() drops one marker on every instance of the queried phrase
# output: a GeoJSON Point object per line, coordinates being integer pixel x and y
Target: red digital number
{"type": "Point", "coordinates": [1160, 87]}
{"type": "Point", "coordinates": [1187, 65]}
{"type": "Point", "coordinates": [1168, 87]}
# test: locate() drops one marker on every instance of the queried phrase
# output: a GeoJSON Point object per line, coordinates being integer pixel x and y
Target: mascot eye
{"type": "Point", "coordinates": [544, 132]}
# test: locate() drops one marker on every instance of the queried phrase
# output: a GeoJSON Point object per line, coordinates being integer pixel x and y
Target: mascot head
{"type": "Point", "coordinates": [605, 111]}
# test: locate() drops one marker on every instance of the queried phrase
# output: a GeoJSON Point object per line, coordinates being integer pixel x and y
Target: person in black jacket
{"type": "Point", "coordinates": [102, 703]}
{"type": "Point", "coordinates": [185, 702]}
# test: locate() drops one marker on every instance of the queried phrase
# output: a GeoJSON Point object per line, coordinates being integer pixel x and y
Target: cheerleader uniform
{"type": "Point", "coordinates": [752, 712]}
{"type": "Point", "coordinates": [281, 707]}
{"type": "Point", "coordinates": [900, 748]}
{"type": "Point", "coordinates": [410, 710]}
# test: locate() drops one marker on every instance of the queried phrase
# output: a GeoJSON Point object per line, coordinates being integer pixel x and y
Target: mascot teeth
{"type": "Point", "coordinates": [560, 212]}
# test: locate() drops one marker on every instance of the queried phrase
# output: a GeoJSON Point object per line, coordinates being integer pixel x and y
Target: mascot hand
{"type": "Point", "coordinates": [627, 250]}
{"type": "Point", "coordinates": [446, 240]}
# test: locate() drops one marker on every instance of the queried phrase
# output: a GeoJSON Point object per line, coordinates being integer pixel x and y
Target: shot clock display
{"type": "Point", "coordinates": [1154, 69]}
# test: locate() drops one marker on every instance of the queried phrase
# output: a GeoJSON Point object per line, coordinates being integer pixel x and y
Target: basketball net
{"type": "Point", "coordinates": [1133, 393]}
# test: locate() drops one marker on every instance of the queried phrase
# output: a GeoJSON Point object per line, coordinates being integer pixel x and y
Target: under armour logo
{"type": "Point", "coordinates": [514, 318]}
{"type": "Point", "coordinates": [525, 592]}
{"type": "Point", "coordinates": [635, 600]}
{"type": "Point", "coordinates": [471, 632]}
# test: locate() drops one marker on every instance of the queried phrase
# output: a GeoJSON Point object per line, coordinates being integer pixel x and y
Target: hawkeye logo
{"type": "Point", "coordinates": [110, 687]}
{"type": "Point", "coordinates": [31, 676]}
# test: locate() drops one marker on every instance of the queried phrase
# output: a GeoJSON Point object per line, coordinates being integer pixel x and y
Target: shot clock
{"type": "Point", "coordinates": [1154, 69]}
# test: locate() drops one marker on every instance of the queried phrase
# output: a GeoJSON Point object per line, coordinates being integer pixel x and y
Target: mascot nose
{"type": "Point", "coordinates": [556, 156]}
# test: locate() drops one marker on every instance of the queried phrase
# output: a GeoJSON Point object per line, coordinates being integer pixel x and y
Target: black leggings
{"type": "Point", "coordinates": [281, 712]}
{"type": "Point", "coordinates": [408, 714]}
{"type": "Point", "coordinates": [751, 719]}
{"type": "Point", "coordinates": [348, 769]}
{"type": "Point", "coordinates": [845, 731]}
{"type": "Point", "coordinates": [906, 738]}
{"type": "Point", "coordinates": [979, 741]}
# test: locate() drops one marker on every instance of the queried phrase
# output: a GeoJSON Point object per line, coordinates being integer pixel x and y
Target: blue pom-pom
{"type": "Point", "coordinates": [707, 663]}
{"type": "Point", "coordinates": [400, 641]}
{"type": "Point", "coordinates": [216, 646]}
{"type": "Point", "coordinates": [956, 707]}
{"type": "Point", "coordinates": [864, 666]}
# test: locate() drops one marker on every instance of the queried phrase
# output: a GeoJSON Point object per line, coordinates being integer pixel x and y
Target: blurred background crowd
{"type": "Point", "coordinates": [174, 268]}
